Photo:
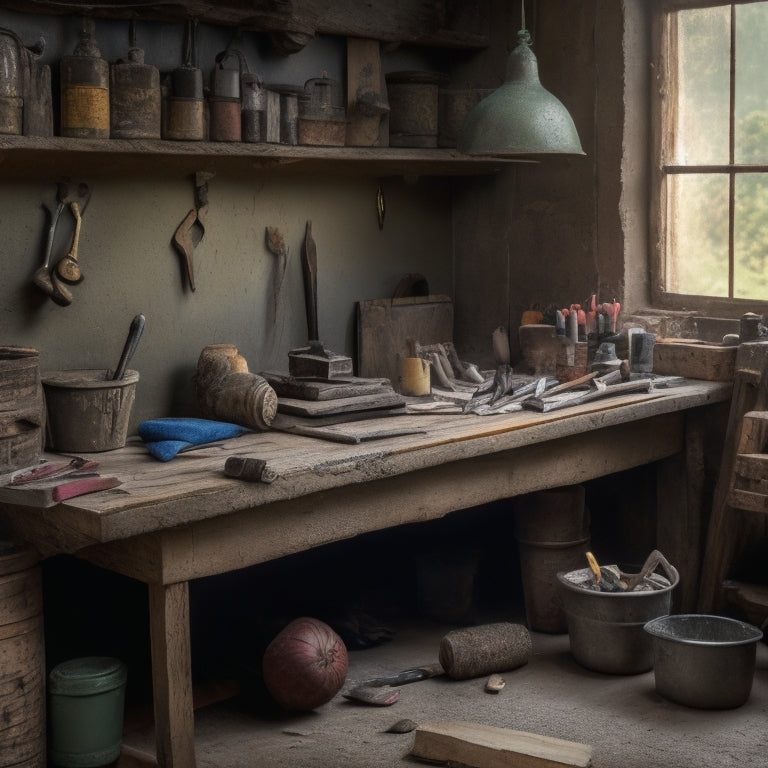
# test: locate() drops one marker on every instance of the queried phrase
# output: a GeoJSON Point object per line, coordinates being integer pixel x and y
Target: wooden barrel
{"type": "Point", "coordinates": [22, 658]}
{"type": "Point", "coordinates": [22, 408]}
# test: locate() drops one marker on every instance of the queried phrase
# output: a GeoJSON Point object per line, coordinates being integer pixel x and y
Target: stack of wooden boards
{"type": "Point", "coordinates": [330, 408]}
{"type": "Point", "coordinates": [50, 482]}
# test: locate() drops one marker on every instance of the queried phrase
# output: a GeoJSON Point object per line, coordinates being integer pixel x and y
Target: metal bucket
{"type": "Point", "coordinates": [607, 628]}
{"type": "Point", "coordinates": [704, 661]}
{"type": "Point", "coordinates": [86, 707]}
{"type": "Point", "coordinates": [552, 531]}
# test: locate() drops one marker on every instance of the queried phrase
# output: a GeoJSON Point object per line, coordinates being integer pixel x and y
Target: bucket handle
{"type": "Point", "coordinates": [652, 562]}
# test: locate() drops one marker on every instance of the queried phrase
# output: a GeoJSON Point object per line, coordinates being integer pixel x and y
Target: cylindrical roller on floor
{"type": "Point", "coordinates": [477, 651]}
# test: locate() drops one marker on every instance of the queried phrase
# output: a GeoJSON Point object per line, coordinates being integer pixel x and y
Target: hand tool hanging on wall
{"type": "Point", "coordinates": [190, 232]}
{"type": "Point", "coordinates": [68, 268]}
{"type": "Point", "coordinates": [314, 360]}
{"type": "Point", "coordinates": [85, 89]}
{"type": "Point", "coordinates": [46, 277]}
{"type": "Point", "coordinates": [276, 246]}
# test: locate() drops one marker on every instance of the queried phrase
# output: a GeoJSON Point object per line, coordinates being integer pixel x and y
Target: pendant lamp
{"type": "Point", "coordinates": [521, 117]}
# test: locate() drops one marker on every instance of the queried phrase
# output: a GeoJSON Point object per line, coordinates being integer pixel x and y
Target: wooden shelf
{"type": "Point", "coordinates": [421, 22]}
{"type": "Point", "coordinates": [34, 157]}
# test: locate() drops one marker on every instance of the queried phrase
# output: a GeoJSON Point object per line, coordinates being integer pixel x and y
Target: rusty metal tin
{"type": "Point", "coordinates": [185, 119]}
{"type": "Point", "coordinates": [413, 102]}
{"type": "Point", "coordinates": [253, 126]}
{"type": "Point", "coordinates": [252, 93]}
{"type": "Point", "coordinates": [225, 83]}
{"type": "Point", "coordinates": [10, 65]}
{"type": "Point", "coordinates": [254, 105]}
{"type": "Point", "coordinates": [187, 83]}
{"type": "Point", "coordinates": [453, 108]}
{"type": "Point", "coordinates": [11, 115]}
{"type": "Point", "coordinates": [289, 115]}
{"type": "Point", "coordinates": [85, 89]}
{"type": "Point", "coordinates": [226, 122]}
{"type": "Point", "coordinates": [134, 98]}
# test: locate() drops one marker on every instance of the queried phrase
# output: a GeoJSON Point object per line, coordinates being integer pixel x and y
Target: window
{"type": "Point", "coordinates": [711, 145]}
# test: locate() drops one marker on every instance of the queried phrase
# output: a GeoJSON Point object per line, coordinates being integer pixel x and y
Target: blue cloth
{"type": "Point", "coordinates": [165, 437]}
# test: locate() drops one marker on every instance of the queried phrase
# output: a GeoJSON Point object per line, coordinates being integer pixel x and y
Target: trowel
{"type": "Point", "coordinates": [382, 691]}
{"type": "Point", "coordinates": [314, 360]}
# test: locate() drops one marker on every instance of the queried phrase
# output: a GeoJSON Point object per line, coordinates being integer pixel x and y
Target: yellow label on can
{"type": "Point", "coordinates": [85, 106]}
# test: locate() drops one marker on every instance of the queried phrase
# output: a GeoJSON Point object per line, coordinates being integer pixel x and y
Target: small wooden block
{"type": "Point", "coordinates": [485, 746]}
{"type": "Point", "coordinates": [694, 360]}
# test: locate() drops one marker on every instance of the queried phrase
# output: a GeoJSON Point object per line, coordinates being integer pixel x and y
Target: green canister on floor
{"type": "Point", "coordinates": [86, 702]}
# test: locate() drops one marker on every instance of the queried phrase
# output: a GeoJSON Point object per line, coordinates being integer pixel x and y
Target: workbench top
{"type": "Point", "coordinates": [192, 487]}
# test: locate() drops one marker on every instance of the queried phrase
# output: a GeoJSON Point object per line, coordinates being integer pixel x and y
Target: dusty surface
{"type": "Point", "coordinates": [626, 722]}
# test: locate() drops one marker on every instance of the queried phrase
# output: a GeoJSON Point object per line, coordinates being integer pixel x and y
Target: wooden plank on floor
{"type": "Point", "coordinates": [485, 746]}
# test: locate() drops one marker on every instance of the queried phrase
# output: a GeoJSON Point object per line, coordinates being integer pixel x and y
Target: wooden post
{"type": "Point", "coordinates": [680, 510]}
{"type": "Point", "coordinates": [172, 674]}
{"type": "Point", "coordinates": [750, 386]}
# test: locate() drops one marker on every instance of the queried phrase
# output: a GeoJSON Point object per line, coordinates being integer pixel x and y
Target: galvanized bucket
{"type": "Point", "coordinates": [704, 661]}
{"type": "Point", "coordinates": [606, 629]}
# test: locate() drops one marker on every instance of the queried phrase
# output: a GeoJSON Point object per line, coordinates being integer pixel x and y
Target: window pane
{"type": "Point", "coordinates": [703, 87]}
{"type": "Point", "coordinates": [750, 267]}
{"type": "Point", "coordinates": [697, 234]}
{"type": "Point", "coordinates": [751, 91]}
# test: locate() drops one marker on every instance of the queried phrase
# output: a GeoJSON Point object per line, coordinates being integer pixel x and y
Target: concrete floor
{"type": "Point", "coordinates": [622, 717]}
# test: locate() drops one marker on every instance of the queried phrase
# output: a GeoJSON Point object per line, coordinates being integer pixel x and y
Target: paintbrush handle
{"type": "Point", "coordinates": [134, 334]}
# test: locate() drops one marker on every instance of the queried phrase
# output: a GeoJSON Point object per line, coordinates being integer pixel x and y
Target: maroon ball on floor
{"type": "Point", "coordinates": [305, 665]}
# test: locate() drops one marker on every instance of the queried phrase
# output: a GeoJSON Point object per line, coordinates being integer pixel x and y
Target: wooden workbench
{"type": "Point", "coordinates": [172, 522]}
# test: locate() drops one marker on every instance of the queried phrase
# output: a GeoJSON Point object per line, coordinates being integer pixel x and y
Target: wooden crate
{"type": "Point", "coordinates": [694, 359]}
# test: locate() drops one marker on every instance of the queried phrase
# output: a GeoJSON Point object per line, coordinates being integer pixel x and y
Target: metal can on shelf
{"type": "Point", "coordinates": [85, 89]}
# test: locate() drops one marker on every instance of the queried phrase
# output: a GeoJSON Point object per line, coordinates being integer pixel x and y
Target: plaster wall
{"type": "Point", "coordinates": [552, 232]}
{"type": "Point", "coordinates": [130, 265]}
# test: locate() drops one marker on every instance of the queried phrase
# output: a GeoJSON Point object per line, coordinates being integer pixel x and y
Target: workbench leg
{"type": "Point", "coordinates": [172, 675]}
{"type": "Point", "coordinates": [680, 504]}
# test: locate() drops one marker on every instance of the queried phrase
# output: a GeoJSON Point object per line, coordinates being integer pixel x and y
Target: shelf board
{"type": "Point", "coordinates": [35, 157]}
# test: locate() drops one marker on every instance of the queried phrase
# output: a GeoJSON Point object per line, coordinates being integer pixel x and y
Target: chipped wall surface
{"type": "Point", "coordinates": [554, 231]}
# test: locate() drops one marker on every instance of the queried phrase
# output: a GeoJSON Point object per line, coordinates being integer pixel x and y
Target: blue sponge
{"type": "Point", "coordinates": [165, 437]}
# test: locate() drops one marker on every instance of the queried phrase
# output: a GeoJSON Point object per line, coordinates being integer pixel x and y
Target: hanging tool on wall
{"type": "Point", "coordinates": [276, 246]}
{"type": "Point", "coordinates": [190, 232]}
{"type": "Point", "coordinates": [48, 277]}
{"type": "Point", "coordinates": [314, 360]}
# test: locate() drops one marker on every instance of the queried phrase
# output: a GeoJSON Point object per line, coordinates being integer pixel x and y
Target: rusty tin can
{"type": "Point", "coordinates": [85, 89]}
{"type": "Point", "coordinates": [134, 98]}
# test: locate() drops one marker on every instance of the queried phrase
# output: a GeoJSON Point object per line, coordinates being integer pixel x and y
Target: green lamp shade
{"type": "Point", "coordinates": [521, 117]}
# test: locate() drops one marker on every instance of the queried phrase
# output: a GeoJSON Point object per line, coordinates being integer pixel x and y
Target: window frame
{"type": "Point", "coordinates": [662, 43]}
